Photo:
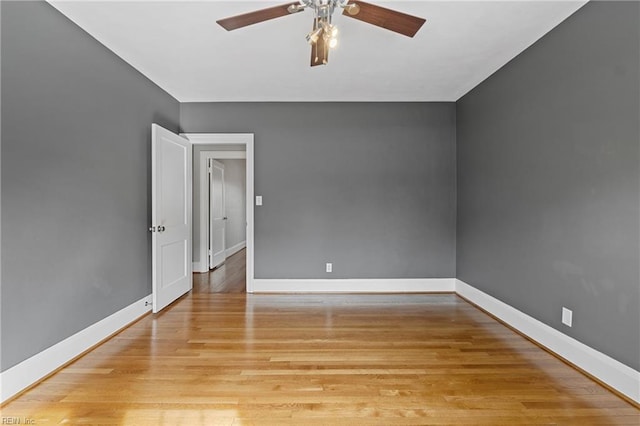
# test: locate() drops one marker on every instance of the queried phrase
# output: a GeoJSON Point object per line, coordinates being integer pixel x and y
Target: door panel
{"type": "Point", "coordinates": [217, 233]}
{"type": "Point", "coordinates": [173, 262]}
{"type": "Point", "coordinates": [170, 216]}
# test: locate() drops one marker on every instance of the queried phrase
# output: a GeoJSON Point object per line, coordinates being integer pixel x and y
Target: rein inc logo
{"type": "Point", "coordinates": [17, 421]}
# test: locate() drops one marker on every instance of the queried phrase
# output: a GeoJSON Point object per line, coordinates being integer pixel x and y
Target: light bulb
{"type": "Point", "coordinates": [333, 42]}
{"type": "Point", "coordinates": [312, 37]}
{"type": "Point", "coordinates": [334, 31]}
{"type": "Point", "coordinates": [352, 9]}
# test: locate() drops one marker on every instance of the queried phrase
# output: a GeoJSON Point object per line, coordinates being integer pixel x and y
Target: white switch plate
{"type": "Point", "coordinates": [258, 200]}
{"type": "Point", "coordinates": [567, 316]}
{"type": "Point", "coordinates": [329, 267]}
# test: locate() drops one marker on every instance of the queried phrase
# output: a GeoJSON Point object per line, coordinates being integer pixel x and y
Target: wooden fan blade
{"type": "Point", "coordinates": [386, 18]}
{"type": "Point", "coordinates": [239, 21]}
{"type": "Point", "coordinates": [319, 51]}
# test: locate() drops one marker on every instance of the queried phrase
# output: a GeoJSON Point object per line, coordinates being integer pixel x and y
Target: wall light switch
{"type": "Point", "coordinates": [329, 267]}
{"type": "Point", "coordinates": [567, 316]}
{"type": "Point", "coordinates": [258, 200]}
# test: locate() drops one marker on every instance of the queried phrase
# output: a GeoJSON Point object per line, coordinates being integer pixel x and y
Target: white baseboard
{"type": "Point", "coordinates": [378, 285]}
{"type": "Point", "coordinates": [233, 250]}
{"type": "Point", "coordinates": [31, 370]}
{"type": "Point", "coordinates": [200, 267]}
{"type": "Point", "coordinates": [619, 376]}
{"type": "Point", "coordinates": [203, 266]}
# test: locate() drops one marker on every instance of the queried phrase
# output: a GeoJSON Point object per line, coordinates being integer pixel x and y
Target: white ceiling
{"type": "Point", "coordinates": [178, 45]}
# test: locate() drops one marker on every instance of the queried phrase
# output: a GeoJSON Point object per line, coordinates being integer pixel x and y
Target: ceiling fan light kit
{"type": "Point", "coordinates": [324, 34]}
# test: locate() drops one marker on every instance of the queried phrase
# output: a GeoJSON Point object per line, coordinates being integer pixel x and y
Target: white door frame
{"type": "Point", "coordinates": [245, 139]}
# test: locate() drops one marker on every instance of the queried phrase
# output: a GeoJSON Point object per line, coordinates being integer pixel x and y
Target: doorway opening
{"type": "Point", "coordinates": [226, 206]}
{"type": "Point", "coordinates": [222, 230]}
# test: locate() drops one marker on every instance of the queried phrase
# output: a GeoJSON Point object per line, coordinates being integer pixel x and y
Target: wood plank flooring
{"type": "Point", "coordinates": [230, 277]}
{"type": "Point", "coordinates": [238, 359]}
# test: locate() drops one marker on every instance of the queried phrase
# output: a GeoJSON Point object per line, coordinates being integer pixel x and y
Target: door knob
{"type": "Point", "coordinates": [161, 228]}
{"type": "Point", "coordinates": [225, 218]}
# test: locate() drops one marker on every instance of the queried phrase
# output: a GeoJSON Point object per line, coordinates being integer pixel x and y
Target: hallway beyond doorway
{"type": "Point", "coordinates": [230, 277]}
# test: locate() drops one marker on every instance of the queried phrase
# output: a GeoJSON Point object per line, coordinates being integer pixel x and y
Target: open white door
{"type": "Point", "coordinates": [218, 218]}
{"type": "Point", "coordinates": [170, 216]}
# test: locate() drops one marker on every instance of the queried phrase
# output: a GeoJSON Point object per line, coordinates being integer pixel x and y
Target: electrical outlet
{"type": "Point", "coordinates": [329, 267]}
{"type": "Point", "coordinates": [258, 200]}
{"type": "Point", "coordinates": [567, 316]}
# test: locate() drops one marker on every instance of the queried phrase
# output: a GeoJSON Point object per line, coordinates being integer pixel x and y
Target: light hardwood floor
{"type": "Point", "coordinates": [238, 359]}
{"type": "Point", "coordinates": [230, 277]}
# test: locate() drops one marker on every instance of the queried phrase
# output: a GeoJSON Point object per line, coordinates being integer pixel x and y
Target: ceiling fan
{"type": "Point", "coordinates": [323, 35]}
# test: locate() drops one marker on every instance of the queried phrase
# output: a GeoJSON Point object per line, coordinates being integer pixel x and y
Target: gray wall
{"type": "Point", "coordinates": [235, 201]}
{"type": "Point", "coordinates": [369, 187]}
{"type": "Point", "coordinates": [75, 179]}
{"type": "Point", "coordinates": [549, 180]}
